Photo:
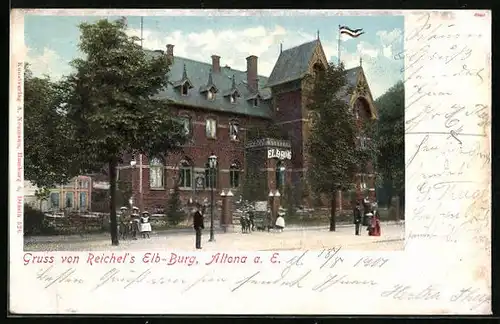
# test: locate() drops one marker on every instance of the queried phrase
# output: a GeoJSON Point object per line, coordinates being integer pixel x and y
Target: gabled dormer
{"type": "Point", "coordinates": [184, 84]}
{"type": "Point", "coordinates": [209, 90]}
{"type": "Point", "coordinates": [254, 99]}
{"type": "Point", "coordinates": [233, 93]}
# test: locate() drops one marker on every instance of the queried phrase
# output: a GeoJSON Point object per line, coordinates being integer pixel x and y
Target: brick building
{"type": "Point", "coordinates": [219, 105]}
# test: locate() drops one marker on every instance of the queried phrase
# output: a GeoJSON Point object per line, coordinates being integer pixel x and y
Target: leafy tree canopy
{"type": "Point", "coordinates": [47, 147]}
{"type": "Point", "coordinates": [390, 136]}
{"type": "Point", "coordinates": [334, 154]}
{"type": "Point", "coordinates": [112, 98]}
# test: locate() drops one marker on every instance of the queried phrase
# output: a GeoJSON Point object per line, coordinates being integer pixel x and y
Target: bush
{"type": "Point", "coordinates": [34, 220]}
{"type": "Point", "coordinates": [175, 214]}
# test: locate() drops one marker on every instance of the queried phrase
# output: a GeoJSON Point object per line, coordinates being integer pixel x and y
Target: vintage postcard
{"type": "Point", "coordinates": [316, 158]}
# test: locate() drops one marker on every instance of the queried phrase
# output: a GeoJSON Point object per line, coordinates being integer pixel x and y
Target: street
{"type": "Point", "coordinates": [298, 238]}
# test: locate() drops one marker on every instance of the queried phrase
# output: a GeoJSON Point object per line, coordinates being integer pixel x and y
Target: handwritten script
{"type": "Point", "coordinates": [448, 119]}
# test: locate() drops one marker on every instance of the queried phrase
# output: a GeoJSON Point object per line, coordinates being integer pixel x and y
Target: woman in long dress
{"type": "Point", "coordinates": [280, 222]}
{"type": "Point", "coordinates": [145, 226]}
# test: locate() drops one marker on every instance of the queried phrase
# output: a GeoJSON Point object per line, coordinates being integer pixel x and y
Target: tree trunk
{"type": "Point", "coordinates": [333, 212]}
{"type": "Point", "coordinates": [112, 202]}
{"type": "Point", "coordinates": [390, 193]}
{"type": "Point", "coordinates": [402, 204]}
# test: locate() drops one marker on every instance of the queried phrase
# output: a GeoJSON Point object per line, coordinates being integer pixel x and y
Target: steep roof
{"type": "Point", "coordinates": [198, 74]}
{"type": "Point", "coordinates": [292, 64]}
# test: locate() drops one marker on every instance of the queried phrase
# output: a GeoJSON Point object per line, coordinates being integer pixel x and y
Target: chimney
{"type": "Point", "coordinates": [170, 53]}
{"type": "Point", "coordinates": [252, 72]}
{"type": "Point", "coordinates": [215, 63]}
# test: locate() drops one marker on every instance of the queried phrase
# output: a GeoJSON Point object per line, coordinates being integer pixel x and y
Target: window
{"type": "Point", "coordinates": [317, 71]}
{"type": "Point", "coordinates": [83, 200]}
{"type": "Point", "coordinates": [54, 200]}
{"type": "Point", "coordinates": [156, 173]}
{"type": "Point", "coordinates": [210, 95]}
{"type": "Point", "coordinates": [232, 98]}
{"type": "Point", "coordinates": [256, 102]}
{"type": "Point", "coordinates": [184, 89]}
{"type": "Point", "coordinates": [363, 142]}
{"type": "Point", "coordinates": [362, 181]}
{"type": "Point", "coordinates": [83, 184]}
{"type": "Point", "coordinates": [280, 175]}
{"type": "Point", "coordinates": [69, 200]}
{"type": "Point", "coordinates": [234, 128]}
{"type": "Point", "coordinates": [211, 128]}
{"type": "Point", "coordinates": [234, 175]}
{"type": "Point", "coordinates": [186, 125]}
{"type": "Point", "coordinates": [210, 177]}
{"type": "Point", "coordinates": [186, 175]}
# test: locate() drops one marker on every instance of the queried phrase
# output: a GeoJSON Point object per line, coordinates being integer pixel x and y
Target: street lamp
{"type": "Point", "coordinates": [133, 164]}
{"type": "Point", "coordinates": [212, 165]}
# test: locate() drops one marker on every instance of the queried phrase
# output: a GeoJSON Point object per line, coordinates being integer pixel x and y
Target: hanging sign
{"type": "Point", "coordinates": [279, 154]}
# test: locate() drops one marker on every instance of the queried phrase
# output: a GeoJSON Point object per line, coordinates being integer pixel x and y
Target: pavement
{"type": "Point", "coordinates": [292, 238]}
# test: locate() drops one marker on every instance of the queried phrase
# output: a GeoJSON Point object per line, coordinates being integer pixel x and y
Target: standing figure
{"type": "Point", "coordinates": [357, 219]}
{"type": "Point", "coordinates": [134, 222]}
{"type": "Point", "coordinates": [280, 222]}
{"type": "Point", "coordinates": [251, 218]}
{"type": "Point", "coordinates": [375, 224]}
{"type": "Point", "coordinates": [145, 226]}
{"type": "Point", "coordinates": [122, 222]}
{"type": "Point", "coordinates": [198, 226]}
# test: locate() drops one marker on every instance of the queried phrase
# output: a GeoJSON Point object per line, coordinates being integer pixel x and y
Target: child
{"type": "Point", "coordinates": [280, 222]}
{"type": "Point", "coordinates": [145, 225]}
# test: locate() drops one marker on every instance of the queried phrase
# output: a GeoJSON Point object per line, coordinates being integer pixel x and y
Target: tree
{"type": "Point", "coordinates": [47, 147]}
{"type": "Point", "coordinates": [113, 106]}
{"type": "Point", "coordinates": [390, 141]}
{"type": "Point", "coordinates": [334, 155]}
{"type": "Point", "coordinates": [124, 192]}
{"type": "Point", "coordinates": [42, 195]}
{"type": "Point", "coordinates": [174, 212]}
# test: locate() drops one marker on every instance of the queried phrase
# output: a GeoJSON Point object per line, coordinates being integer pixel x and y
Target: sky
{"type": "Point", "coordinates": [51, 42]}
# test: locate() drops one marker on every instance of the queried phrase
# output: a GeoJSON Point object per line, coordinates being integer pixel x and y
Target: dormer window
{"type": "Point", "coordinates": [256, 102]}
{"type": "Point", "coordinates": [232, 98]}
{"type": "Point", "coordinates": [210, 95]}
{"type": "Point", "coordinates": [185, 89]}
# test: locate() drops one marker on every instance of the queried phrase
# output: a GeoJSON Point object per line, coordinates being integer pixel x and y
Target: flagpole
{"type": "Point", "coordinates": [142, 23]}
{"type": "Point", "coordinates": [339, 47]}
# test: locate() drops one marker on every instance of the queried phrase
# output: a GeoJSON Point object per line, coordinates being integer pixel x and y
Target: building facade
{"type": "Point", "coordinates": [221, 107]}
{"type": "Point", "coordinates": [76, 195]}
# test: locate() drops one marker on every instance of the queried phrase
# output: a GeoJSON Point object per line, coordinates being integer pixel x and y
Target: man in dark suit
{"type": "Point", "coordinates": [357, 218]}
{"type": "Point", "coordinates": [198, 226]}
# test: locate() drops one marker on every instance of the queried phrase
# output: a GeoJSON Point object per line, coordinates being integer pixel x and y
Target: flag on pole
{"type": "Point", "coordinates": [344, 30]}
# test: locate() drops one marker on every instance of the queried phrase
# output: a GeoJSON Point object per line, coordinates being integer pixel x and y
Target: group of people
{"type": "Point", "coordinates": [366, 214]}
{"type": "Point", "coordinates": [132, 223]}
{"type": "Point", "coordinates": [199, 223]}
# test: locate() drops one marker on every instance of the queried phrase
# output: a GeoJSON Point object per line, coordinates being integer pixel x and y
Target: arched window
{"type": "Point", "coordinates": [361, 108]}
{"type": "Point", "coordinates": [185, 174]}
{"type": "Point", "coordinates": [234, 129]}
{"type": "Point", "coordinates": [156, 173]}
{"type": "Point", "coordinates": [187, 125]}
{"type": "Point", "coordinates": [280, 175]}
{"type": "Point", "coordinates": [210, 177]}
{"type": "Point", "coordinates": [234, 175]}
{"type": "Point", "coordinates": [318, 70]}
